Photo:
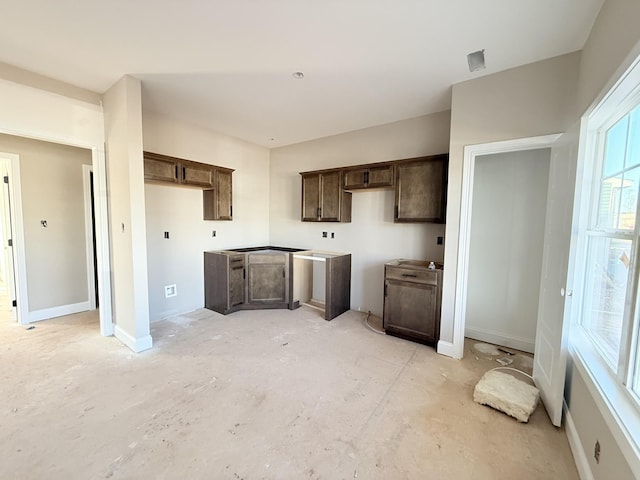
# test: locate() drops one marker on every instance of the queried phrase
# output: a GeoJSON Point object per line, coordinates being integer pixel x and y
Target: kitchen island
{"type": "Point", "coordinates": [275, 277]}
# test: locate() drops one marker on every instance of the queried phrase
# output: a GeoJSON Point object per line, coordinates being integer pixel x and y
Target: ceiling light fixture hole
{"type": "Point", "coordinates": [298, 75]}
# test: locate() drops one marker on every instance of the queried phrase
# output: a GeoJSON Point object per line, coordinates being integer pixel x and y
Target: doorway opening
{"type": "Point", "coordinates": [53, 227]}
{"type": "Point", "coordinates": [509, 201]}
{"type": "Point", "coordinates": [550, 337]}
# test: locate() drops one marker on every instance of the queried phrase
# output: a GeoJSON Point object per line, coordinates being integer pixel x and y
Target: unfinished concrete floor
{"type": "Point", "coordinates": [270, 394]}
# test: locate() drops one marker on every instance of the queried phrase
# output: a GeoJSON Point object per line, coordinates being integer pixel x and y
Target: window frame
{"type": "Point", "coordinates": [616, 394]}
{"type": "Point", "coordinates": [598, 125]}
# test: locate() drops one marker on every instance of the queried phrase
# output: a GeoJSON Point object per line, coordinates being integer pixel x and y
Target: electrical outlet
{"type": "Point", "coordinates": [333, 235]}
{"type": "Point", "coordinates": [166, 234]}
{"type": "Point", "coordinates": [170, 291]}
{"type": "Point", "coordinates": [213, 233]}
{"type": "Point", "coordinates": [324, 234]}
{"type": "Point", "coordinates": [596, 451]}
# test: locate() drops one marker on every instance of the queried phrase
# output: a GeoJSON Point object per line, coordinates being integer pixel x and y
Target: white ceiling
{"type": "Point", "coordinates": [227, 64]}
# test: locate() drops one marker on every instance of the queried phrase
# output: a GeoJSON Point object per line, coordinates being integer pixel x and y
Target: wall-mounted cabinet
{"type": "Point", "coordinates": [216, 181]}
{"type": "Point", "coordinates": [198, 174]}
{"type": "Point", "coordinates": [163, 168]}
{"type": "Point", "coordinates": [323, 198]}
{"type": "Point", "coordinates": [371, 176]}
{"type": "Point", "coordinates": [217, 201]}
{"type": "Point", "coordinates": [421, 187]}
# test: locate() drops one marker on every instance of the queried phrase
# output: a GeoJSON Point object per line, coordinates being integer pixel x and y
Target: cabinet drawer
{"type": "Point", "coordinates": [271, 258]}
{"type": "Point", "coordinates": [236, 261]}
{"type": "Point", "coordinates": [427, 277]}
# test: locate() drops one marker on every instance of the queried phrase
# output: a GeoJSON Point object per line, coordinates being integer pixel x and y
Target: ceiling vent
{"type": "Point", "coordinates": [476, 61]}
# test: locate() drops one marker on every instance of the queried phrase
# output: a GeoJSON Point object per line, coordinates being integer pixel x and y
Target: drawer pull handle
{"type": "Point", "coordinates": [410, 275]}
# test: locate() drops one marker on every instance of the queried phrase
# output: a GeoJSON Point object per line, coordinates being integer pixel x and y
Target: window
{"type": "Point", "coordinates": [610, 292]}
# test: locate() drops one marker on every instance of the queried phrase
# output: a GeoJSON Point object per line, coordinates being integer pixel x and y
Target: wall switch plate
{"type": "Point", "coordinates": [213, 233]}
{"type": "Point", "coordinates": [170, 291]}
{"type": "Point", "coordinates": [166, 234]}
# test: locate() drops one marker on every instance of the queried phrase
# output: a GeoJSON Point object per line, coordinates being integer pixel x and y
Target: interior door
{"type": "Point", "coordinates": [7, 240]}
{"type": "Point", "coordinates": [550, 359]}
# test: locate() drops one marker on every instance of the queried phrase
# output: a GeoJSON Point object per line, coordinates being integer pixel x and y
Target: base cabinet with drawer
{"type": "Point", "coordinates": [412, 301]}
{"type": "Point", "coordinates": [224, 282]}
{"type": "Point", "coordinates": [246, 279]}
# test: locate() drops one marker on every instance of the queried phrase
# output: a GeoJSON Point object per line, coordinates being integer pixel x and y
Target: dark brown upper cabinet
{"type": "Point", "coordinates": [369, 176]}
{"type": "Point", "coordinates": [215, 181]}
{"type": "Point", "coordinates": [217, 201]}
{"type": "Point", "coordinates": [421, 188]}
{"type": "Point", "coordinates": [161, 168]}
{"type": "Point", "coordinates": [323, 198]}
{"type": "Point", "coordinates": [198, 174]}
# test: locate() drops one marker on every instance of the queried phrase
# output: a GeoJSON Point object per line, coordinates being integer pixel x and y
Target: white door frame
{"type": "Point", "coordinates": [102, 235]}
{"type": "Point", "coordinates": [468, 168]}
{"type": "Point", "coordinates": [17, 237]}
{"type": "Point", "coordinates": [88, 231]}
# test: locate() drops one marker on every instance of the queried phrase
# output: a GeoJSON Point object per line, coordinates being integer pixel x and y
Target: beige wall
{"type": "Point", "coordinates": [25, 77]}
{"type": "Point", "coordinates": [605, 55]}
{"type": "Point", "coordinates": [591, 427]}
{"type": "Point", "coordinates": [372, 238]}
{"type": "Point", "coordinates": [178, 210]}
{"type": "Point", "coordinates": [613, 43]}
{"type": "Point", "coordinates": [528, 101]}
{"type": "Point", "coordinates": [505, 250]}
{"type": "Point", "coordinates": [123, 131]}
{"type": "Point", "coordinates": [52, 190]}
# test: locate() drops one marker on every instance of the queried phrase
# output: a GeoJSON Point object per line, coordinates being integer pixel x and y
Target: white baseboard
{"type": "Point", "coordinates": [579, 455]}
{"type": "Point", "coordinates": [496, 338]}
{"type": "Point", "coordinates": [53, 312]}
{"type": "Point", "coordinates": [136, 344]}
{"type": "Point", "coordinates": [446, 348]}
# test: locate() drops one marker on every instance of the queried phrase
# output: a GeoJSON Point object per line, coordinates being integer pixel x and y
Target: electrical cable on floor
{"type": "Point", "coordinates": [515, 370]}
{"type": "Point", "coordinates": [366, 322]}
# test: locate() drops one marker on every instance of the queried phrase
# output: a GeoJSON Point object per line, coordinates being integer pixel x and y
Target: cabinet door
{"type": "Point", "coordinates": [267, 283]}
{"type": "Point", "coordinates": [160, 169]}
{"type": "Point", "coordinates": [380, 176]}
{"type": "Point", "coordinates": [421, 190]}
{"type": "Point", "coordinates": [198, 174]}
{"type": "Point", "coordinates": [330, 196]}
{"type": "Point", "coordinates": [410, 309]}
{"type": "Point", "coordinates": [216, 282]}
{"type": "Point", "coordinates": [311, 197]}
{"type": "Point", "coordinates": [224, 194]}
{"type": "Point", "coordinates": [236, 283]}
{"type": "Point", "coordinates": [355, 179]}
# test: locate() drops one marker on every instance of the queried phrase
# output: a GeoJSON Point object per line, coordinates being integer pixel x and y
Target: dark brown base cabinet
{"type": "Point", "coordinates": [239, 281]}
{"type": "Point", "coordinates": [262, 277]}
{"type": "Point", "coordinates": [412, 299]}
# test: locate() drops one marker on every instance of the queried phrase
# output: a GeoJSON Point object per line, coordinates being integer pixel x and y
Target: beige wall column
{"type": "Point", "coordinates": [123, 131]}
